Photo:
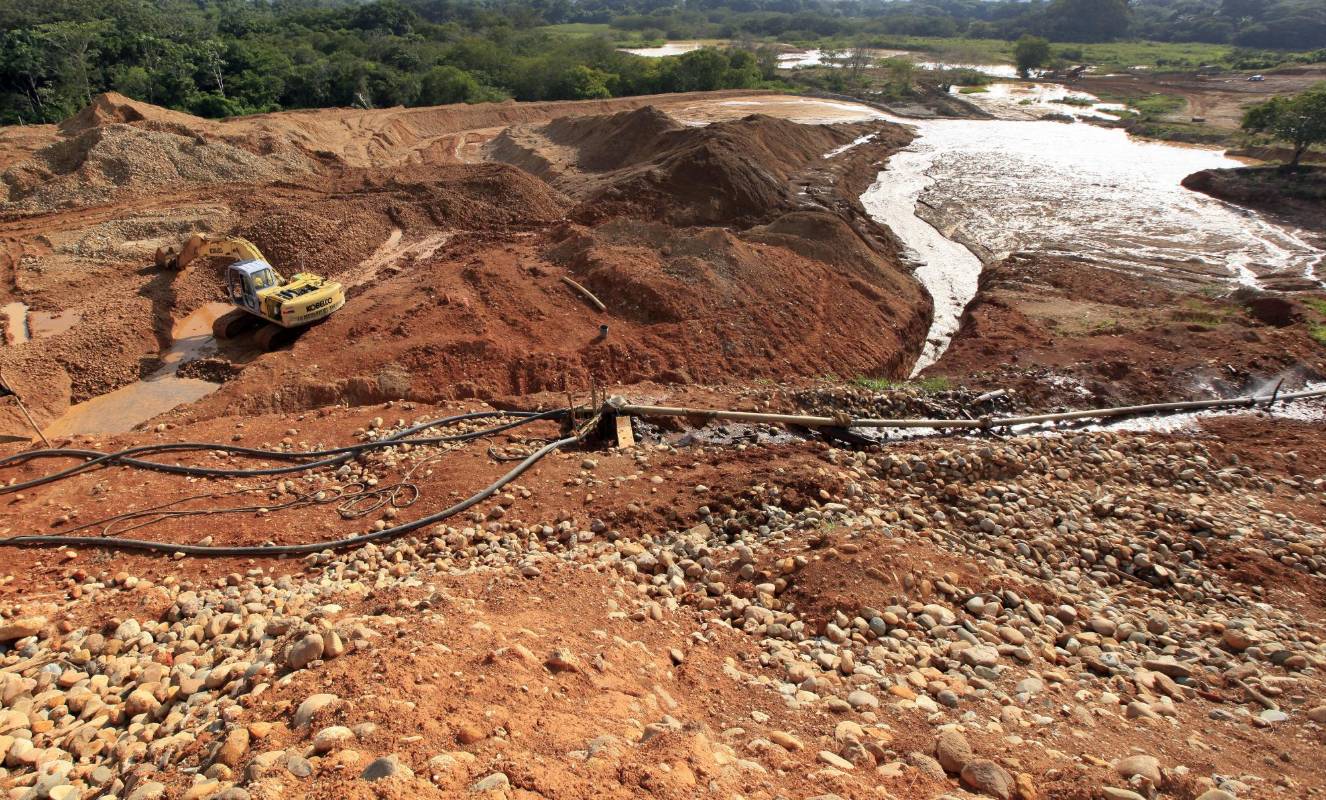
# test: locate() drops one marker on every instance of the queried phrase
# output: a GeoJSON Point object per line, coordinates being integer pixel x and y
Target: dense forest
{"type": "Point", "coordinates": [1282, 24]}
{"type": "Point", "coordinates": [225, 57]}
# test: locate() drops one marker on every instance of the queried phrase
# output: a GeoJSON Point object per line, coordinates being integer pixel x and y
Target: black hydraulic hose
{"type": "Point", "coordinates": [325, 458]}
{"type": "Point", "coordinates": [146, 545]}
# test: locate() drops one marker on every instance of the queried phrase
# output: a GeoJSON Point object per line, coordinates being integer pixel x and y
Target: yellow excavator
{"type": "Point", "coordinates": [259, 293]}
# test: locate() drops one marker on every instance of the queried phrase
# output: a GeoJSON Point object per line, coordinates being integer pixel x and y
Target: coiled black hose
{"type": "Point", "coordinates": [323, 458]}
{"type": "Point", "coordinates": [146, 545]}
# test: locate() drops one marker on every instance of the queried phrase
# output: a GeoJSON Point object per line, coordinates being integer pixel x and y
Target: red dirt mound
{"type": "Point", "coordinates": [612, 142]}
{"type": "Point", "coordinates": [727, 173]}
{"type": "Point", "coordinates": [109, 108]}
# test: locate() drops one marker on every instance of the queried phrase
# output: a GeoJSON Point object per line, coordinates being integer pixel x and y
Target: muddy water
{"type": "Point", "coordinates": [1074, 190]}
{"type": "Point", "coordinates": [669, 49]}
{"type": "Point", "coordinates": [122, 409]}
{"type": "Point", "coordinates": [1035, 100]}
{"type": "Point", "coordinates": [947, 269]}
{"type": "Point", "coordinates": [16, 323]}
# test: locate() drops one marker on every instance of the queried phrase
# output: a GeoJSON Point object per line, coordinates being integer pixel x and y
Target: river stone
{"type": "Point", "coordinates": [21, 628]}
{"type": "Point", "coordinates": [490, 783]}
{"type": "Point", "coordinates": [980, 656]}
{"type": "Point", "coordinates": [331, 738]}
{"type": "Point", "coordinates": [1216, 794]}
{"type": "Point", "coordinates": [1318, 715]}
{"type": "Point", "coordinates": [307, 709]}
{"type": "Point", "coordinates": [305, 651]}
{"type": "Point", "coordinates": [1113, 793]}
{"type": "Point", "coordinates": [952, 751]}
{"type": "Point", "coordinates": [151, 790]}
{"type": "Point", "coordinates": [987, 777]}
{"type": "Point", "coordinates": [1145, 766]}
{"type": "Point", "coordinates": [232, 750]}
{"type": "Point", "coordinates": [927, 766]}
{"type": "Point", "coordinates": [140, 701]}
{"type": "Point", "coordinates": [386, 767]}
{"type": "Point", "coordinates": [861, 699]}
{"type": "Point", "coordinates": [836, 761]}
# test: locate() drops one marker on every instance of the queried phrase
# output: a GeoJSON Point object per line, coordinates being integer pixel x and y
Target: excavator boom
{"type": "Point", "coordinates": [203, 246]}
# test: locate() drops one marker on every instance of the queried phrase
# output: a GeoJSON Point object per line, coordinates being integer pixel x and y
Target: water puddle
{"type": "Point", "coordinates": [22, 325]}
{"type": "Point", "coordinates": [16, 323]}
{"type": "Point", "coordinates": [1035, 100]}
{"type": "Point", "coordinates": [816, 57]}
{"type": "Point", "coordinates": [122, 409]}
{"type": "Point", "coordinates": [43, 324]}
{"type": "Point", "coordinates": [948, 270]}
{"type": "Point", "coordinates": [669, 49]}
{"type": "Point", "coordinates": [993, 70]}
{"type": "Point", "coordinates": [831, 58]}
{"type": "Point", "coordinates": [857, 142]}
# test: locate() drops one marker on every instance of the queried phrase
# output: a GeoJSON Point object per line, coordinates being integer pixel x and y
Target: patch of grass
{"type": "Point", "coordinates": [1316, 304]}
{"type": "Point", "coordinates": [1198, 313]}
{"type": "Point", "coordinates": [1158, 105]}
{"type": "Point", "coordinates": [1318, 333]}
{"type": "Point", "coordinates": [973, 90]}
{"type": "Point", "coordinates": [1185, 132]}
{"type": "Point", "coordinates": [581, 29]}
{"type": "Point", "coordinates": [874, 384]}
{"type": "Point", "coordinates": [1080, 102]}
{"type": "Point", "coordinates": [930, 385]}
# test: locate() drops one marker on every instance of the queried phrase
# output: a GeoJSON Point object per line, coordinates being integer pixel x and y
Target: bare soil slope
{"type": "Point", "coordinates": [712, 259]}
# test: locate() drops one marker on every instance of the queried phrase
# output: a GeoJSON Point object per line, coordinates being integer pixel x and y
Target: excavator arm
{"type": "Point", "coordinates": [179, 256]}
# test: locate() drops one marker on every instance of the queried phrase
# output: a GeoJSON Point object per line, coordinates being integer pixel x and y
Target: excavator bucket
{"type": "Point", "coordinates": [168, 257]}
{"type": "Point", "coordinates": [177, 256]}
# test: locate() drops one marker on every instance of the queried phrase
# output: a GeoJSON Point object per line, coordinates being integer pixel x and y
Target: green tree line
{"type": "Point", "coordinates": [226, 57]}
{"type": "Point", "coordinates": [1270, 24]}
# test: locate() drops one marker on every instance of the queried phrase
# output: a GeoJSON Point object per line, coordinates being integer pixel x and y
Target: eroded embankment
{"type": "Point", "coordinates": [731, 251]}
{"type": "Point", "coordinates": [1060, 331]}
{"type": "Point", "coordinates": [1296, 195]}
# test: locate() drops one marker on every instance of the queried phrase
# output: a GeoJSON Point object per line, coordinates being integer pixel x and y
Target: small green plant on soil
{"type": "Point", "coordinates": [1157, 105]}
{"type": "Point", "coordinates": [874, 384]}
{"type": "Point", "coordinates": [1199, 313]}
{"type": "Point", "coordinates": [973, 90]}
{"type": "Point", "coordinates": [929, 385]}
{"type": "Point", "coordinates": [1318, 333]}
{"type": "Point", "coordinates": [1316, 304]}
{"type": "Point", "coordinates": [937, 383]}
{"type": "Point", "coordinates": [1075, 101]}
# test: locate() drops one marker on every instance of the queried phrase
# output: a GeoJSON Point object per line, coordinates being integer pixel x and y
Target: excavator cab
{"type": "Point", "coordinates": [246, 279]}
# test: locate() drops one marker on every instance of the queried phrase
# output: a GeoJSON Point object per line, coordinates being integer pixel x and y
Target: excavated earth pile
{"type": "Point", "coordinates": [764, 267]}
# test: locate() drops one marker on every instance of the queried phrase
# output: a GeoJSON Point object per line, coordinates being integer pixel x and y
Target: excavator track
{"type": "Point", "coordinates": [233, 323]}
{"type": "Point", "coordinates": [272, 337]}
